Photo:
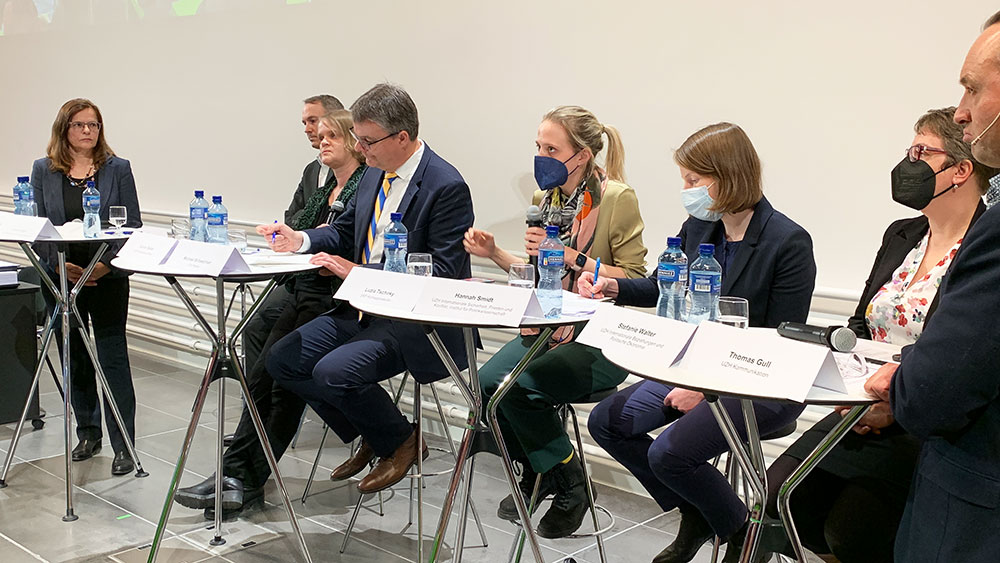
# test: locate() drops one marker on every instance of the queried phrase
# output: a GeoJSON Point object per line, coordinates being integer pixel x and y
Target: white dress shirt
{"type": "Point", "coordinates": [396, 192]}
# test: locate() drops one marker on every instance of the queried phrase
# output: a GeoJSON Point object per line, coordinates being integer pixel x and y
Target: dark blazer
{"type": "Point", "coordinates": [116, 186]}
{"type": "Point", "coordinates": [773, 269]}
{"type": "Point", "coordinates": [899, 239]}
{"type": "Point", "coordinates": [307, 186]}
{"type": "Point", "coordinates": [946, 392]}
{"type": "Point", "coordinates": [437, 210]}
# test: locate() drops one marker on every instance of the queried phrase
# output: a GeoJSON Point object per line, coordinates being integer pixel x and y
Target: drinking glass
{"type": "Point", "coordinates": [180, 228]}
{"type": "Point", "coordinates": [117, 215]}
{"type": "Point", "coordinates": [521, 275]}
{"type": "Point", "coordinates": [419, 264]}
{"type": "Point", "coordinates": [238, 239]}
{"type": "Point", "coordinates": [734, 311]}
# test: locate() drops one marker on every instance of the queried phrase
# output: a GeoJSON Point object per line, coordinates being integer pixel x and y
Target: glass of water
{"type": "Point", "coordinates": [521, 275]}
{"type": "Point", "coordinates": [180, 228]}
{"type": "Point", "coordinates": [734, 311]}
{"type": "Point", "coordinates": [238, 239]}
{"type": "Point", "coordinates": [419, 264]}
{"type": "Point", "coordinates": [117, 215]}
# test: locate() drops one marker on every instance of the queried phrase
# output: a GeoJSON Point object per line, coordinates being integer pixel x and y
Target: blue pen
{"type": "Point", "coordinates": [275, 233]}
{"type": "Point", "coordinates": [597, 269]}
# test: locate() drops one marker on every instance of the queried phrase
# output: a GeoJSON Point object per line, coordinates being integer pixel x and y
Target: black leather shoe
{"type": "Point", "coordinates": [508, 510]}
{"type": "Point", "coordinates": [693, 533]}
{"type": "Point", "coordinates": [123, 464]}
{"type": "Point", "coordinates": [202, 495]}
{"type": "Point", "coordinates": [251, 498]}
{"type": "Point", "coordinates": [86, 449]}
{"type": "Point", "coordinates": [570, 503]}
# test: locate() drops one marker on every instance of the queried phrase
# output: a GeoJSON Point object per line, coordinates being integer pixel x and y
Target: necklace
{"type": "Point", "coordinates": [82, 182]}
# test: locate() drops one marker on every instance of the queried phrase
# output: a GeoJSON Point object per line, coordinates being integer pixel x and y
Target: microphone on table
{"type": "Point", "coordinates": [533, 218]}
{"type": "Point", "coordinates": [838, 338]}
{"type": "Point", "coordinates": [336, 209]}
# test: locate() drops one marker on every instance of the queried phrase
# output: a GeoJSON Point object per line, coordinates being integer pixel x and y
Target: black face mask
{"type": "Point", "coordinates": [913, 183]}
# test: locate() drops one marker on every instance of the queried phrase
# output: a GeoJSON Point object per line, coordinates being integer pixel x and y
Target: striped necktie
{"type": "Point", "coordinates": [382, 194]}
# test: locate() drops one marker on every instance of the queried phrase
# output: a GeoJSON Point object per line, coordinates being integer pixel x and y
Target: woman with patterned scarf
{"type": "Point", "coordinates": [244, 465]}
{"type": "Point", "coordinates": [598, 217]}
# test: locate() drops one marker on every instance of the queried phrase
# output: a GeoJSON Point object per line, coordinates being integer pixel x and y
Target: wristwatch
{"type": "Point", "coordinates": [581, 261]}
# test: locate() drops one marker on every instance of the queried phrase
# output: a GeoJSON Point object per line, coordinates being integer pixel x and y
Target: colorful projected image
{"type": "Point", "coordinates": [28, 16]}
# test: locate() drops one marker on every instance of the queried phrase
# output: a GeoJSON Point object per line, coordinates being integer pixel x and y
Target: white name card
{"type": "Point", "coordinates": [143, 251]}
{"type": "Point", "coordinates": [23, 228]}
{"type": "Point", "coordinates": [474, 303]}
{"type": "Point", "coordinates": [381, 289]}
{"type": "Point", "coordinates": [757, 363]}
{"type": "Point", "coordinates": [625, 332]}
{"type": "Point", "coordinates": [201, 258]}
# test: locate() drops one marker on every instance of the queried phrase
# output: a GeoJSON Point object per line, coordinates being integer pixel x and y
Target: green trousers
{"type": "Point", "coordinates": [527, 415]}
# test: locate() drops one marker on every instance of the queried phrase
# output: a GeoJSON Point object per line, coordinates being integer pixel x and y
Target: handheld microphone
{"type": "Point", "coordinates": [533, 218]}
{"type": "Point", "coordinates": [838, 338]}
{"type": "Point", "coordinates": [988, 127]}
{"type": "Point", "coordinates": [336, 209]}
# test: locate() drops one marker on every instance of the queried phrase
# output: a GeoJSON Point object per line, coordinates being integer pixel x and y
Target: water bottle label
{"type": "Point", "coordinates": [218, 219]}
{"type": "Point", "coordinates": [550, 258]}
{"type": "Point", "coordinates": [670, 273]}
{"type": "Point", "coordinates": [198, 212]}
{"type": "Point", "coordinates": [91, 201]}
{"type": "Point", "coordinates": [17, 195]}
{"type": "Point", "coordinates": [395, 242]}
{"type": "Point", "coordinates": [706, 282]}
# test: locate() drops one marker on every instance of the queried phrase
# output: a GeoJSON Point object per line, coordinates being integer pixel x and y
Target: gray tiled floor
{"type": "Point", "coordinates": [118, 515]}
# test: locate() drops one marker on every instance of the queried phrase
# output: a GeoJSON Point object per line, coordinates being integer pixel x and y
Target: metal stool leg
{"type": "Point", "coordinates": [312, 472]}
{"type": "Point", "coordinates": [588, 484]}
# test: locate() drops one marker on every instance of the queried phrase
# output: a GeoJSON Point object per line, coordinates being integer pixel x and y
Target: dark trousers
{"type": "Point", "coordinates": [280, 409]}
{"type": "Point", "coordinates": [105, 306]}
{"type": "Point", "coordinates": [256, 333]}
{"type": "Point", "coordinates": [335, 363]}
{"type": "Point", "coordinates": [532, 429]}
{"type": "Point", "coordinates": [674, 467]}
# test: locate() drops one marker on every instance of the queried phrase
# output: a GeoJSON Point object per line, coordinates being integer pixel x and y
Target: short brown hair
{"type": "Point", "coordinates": [941, 124]}
{"type": "Point", "coordinates": [724, 152]}
{"type": "Point", "coordinates": [58, 150]}
{"type": "Point", "coordinates": [330, 103]}
{"type": "Point", "coordinates": [341, 122]}
{"type": "Point", "coordinates": [994, 19]}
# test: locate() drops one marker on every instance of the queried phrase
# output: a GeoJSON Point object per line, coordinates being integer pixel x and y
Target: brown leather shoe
{"type": "Point", "coordinates": [354, 464]}
{"type": "Point", "coordinates": [391, 470]}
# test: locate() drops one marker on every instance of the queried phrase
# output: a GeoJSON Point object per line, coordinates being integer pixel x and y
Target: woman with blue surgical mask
{"type": "Point", "coordinates": [598, 218]}
{"type": "Point", "coordinates": [767, 259]}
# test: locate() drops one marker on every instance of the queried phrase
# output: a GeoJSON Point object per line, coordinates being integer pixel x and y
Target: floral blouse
{"type": "Point", "coordinates": [897, 313]}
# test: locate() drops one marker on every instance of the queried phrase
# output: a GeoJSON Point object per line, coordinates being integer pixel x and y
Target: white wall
{"type": "Point", "coordinates": [827, 91]}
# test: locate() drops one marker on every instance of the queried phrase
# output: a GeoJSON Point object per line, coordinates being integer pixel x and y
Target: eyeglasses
{"type": "Point", "coordinates": [79, 125]}
{"type": "Point", "coordinates": [916, 152]}
{"type": "Point", "coordinates": [365, 143]}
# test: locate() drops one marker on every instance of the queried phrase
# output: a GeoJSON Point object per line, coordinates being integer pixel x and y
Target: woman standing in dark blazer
{"type": "Point", "coordinates": [767, 259]}
{"type": "Point", "coordinates": [852, 503]}
{"type": "Point", "coordinates": [78, 153]}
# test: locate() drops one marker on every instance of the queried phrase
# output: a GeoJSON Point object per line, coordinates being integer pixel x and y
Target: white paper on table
{"type": "Point", "coordinates": [267, 257]}
{"type": "Point", "coordinates": [381, 289]}
{"type": "Point", "coordinates": [652, 339]}
{"type": "Point", "coordinates": [880, 351]}
{"type": "Point", "coordinates": [24, 228]}
{"type": "Point", "coordinates": [473, 303]}
{"type": "Point", "coordinates": [203, 258]}
{"type": "Point", "coordinates": [143, 250]}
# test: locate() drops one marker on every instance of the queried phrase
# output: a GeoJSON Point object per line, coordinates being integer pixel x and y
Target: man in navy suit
{"type": "Point", "coordinates": [946, 390]}
{"type": "Point", "coordinates": [336, 361]}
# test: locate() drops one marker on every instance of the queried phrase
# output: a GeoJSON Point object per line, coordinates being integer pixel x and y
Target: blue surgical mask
{"type": "Point", "coordinates": [697, 202]}
{"type": "Point", "coordinates": [551, 172]}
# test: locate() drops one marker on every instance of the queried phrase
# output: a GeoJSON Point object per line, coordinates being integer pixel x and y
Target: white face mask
{"type": "Point", "coordinates": [697, 202]}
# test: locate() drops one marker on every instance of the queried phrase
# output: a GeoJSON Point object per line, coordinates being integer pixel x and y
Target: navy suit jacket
{"type": "Point", "coordinates": [116, 186]}
{"type": "Point", "coordinates": [773, 269]}
{"type": "Point", "coordinates": [947, 393]}
{"type": "Point", "coordinates": [437, 210]}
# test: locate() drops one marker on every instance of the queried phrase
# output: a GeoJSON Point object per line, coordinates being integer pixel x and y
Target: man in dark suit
{"type": "Point", "coordinates": [337, 361]}
{"type": "Point", "coordinates": [946, 390]}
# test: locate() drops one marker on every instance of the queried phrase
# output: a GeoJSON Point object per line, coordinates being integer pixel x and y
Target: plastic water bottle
{"type": "Point", "coordinates": [550, 272]}
{"type": "Point", "coordinates": [28, 205]}
{"type": "Point", "coordinates": [19, 195]}
{"type": "Point", "coordinates": [706, 285]}
{"type": "Point", "coordinates": [198, 214]}
{"type": "Point", "coordinates": [395, 244]}
{"type": "Point", "coordinates": [217, 230]}
{"type": "Point", "coordinates": [91, 211]}
{"type": "Point", "coordinates": [672, 277]}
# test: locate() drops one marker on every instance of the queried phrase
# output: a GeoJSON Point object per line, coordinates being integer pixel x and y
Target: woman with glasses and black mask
{"type": "Point", "coordinates": [78, 154]}
{"type": "Point", "coordinates": [849, 507]}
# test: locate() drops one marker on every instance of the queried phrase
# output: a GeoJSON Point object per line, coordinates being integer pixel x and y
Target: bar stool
{"type": "Point", "coordinates": [566, 410]}
{"type": "Point", "coordinates": [732, 473]}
